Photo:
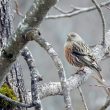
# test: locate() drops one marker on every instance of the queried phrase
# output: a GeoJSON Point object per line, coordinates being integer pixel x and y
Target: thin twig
{"type": "Point", "coordinates": [77, 12]}
{"type": "Point", "coordinates": [107, 90]}
{"type": "Point", "coordinates": [103, 20]}
{"type": "Point", "coordinates": [35, 78]}
{"type": "Point", "coordinates": [62, 11]}
{"type": "Point", "coordinates": [99, 86]}
{"type": "Point", "coordinates": [82, 97]}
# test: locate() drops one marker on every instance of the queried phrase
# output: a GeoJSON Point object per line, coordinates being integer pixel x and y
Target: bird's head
{"type": "Point", "coordinates": [72, 36]}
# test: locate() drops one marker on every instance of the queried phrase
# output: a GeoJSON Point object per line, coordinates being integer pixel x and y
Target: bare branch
{"type": "Point", "coordinates": [62, 11]}
{"type": "Point", "coordinates": [107, 90]}
{"type": "Point", "coordinates": [35, 78]}
{"type": "Point", "coordinates": [54, 88]}
{"type": "Point", "coordinates": [102, 18]}
{"type": "Point", "coordinates": [77, 12]}
{"type": "Point", "coordinates": [103, 86]}
{"type": "Point", "coordinates": [83, 99]}
{"type": "Point", "coordinates": [31, 63]}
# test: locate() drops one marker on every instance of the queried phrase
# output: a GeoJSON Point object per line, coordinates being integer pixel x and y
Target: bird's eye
{"type": "Point", "coordinates": [72, 35]}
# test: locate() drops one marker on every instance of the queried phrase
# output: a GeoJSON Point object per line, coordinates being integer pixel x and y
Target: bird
{"type": "Point", "coordinates": [79, 54]}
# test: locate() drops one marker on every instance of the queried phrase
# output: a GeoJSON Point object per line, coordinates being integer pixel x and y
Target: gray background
{"type": "Point", "coordinates": [89, 26]}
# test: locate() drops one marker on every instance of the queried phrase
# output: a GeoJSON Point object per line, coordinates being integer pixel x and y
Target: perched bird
{"type": "Point", "coordinates": [78, 53]}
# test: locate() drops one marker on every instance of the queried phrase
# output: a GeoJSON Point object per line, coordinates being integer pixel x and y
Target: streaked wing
{"type": "Point", "coordinates": [81, 50]}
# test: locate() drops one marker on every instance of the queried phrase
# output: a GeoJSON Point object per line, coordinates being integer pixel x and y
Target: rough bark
{"type": "Point", "coordinates": [32, 19]}
{"type": "Point", "coordinates": [5, 22]}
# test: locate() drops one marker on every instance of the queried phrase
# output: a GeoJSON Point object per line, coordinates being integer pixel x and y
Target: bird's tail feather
{"type": "Point", "coordinates": [98, 70]}
{"type": "Point", "coordinates": [94, 66]}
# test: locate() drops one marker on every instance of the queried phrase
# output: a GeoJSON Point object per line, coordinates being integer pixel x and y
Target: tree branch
{"type": "Point", "coordinates": [35, 78]}
{"type": "Point", "coordinates": [6, 27]}
{"type": "Point", "coordinates": [33, 18]}
{"type": "Point", "coordinates": [103, 20]}
{"type": "Point", "coordinates": [83, 99]}
{"type": "Point", "coordinates": [77, 12]}
{"type": "Point", "coordinates": [62, 11]}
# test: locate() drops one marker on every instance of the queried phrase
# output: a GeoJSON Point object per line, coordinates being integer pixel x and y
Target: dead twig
{"type": "Point", "coordinates": [76, 12]}
{"type": "Point", "coordinates": [103, 20]}
{"type": "Point", "coordinates": [83, 99]}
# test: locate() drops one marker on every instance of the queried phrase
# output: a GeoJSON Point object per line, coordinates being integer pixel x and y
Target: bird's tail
{"type": "Point", "coordinates": [98, 70]}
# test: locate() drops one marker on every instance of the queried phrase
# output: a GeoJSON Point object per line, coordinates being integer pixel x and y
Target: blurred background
{"type": "Point", "coordinates": [89, 26]}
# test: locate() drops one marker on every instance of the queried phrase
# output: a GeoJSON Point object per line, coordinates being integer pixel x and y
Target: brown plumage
{"type": "Point", "coordinates": [79, 54]}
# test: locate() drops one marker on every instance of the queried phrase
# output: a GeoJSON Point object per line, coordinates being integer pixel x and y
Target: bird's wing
{"type": "Point", "coordinates": [84, 54]}
{"type": "Point", "coordinates": [81, 49]}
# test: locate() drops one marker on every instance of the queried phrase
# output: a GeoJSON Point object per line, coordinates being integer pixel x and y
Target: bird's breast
{"type": "Point", "coordinates": [72, 59]}
{"type": "Point", "coordinates": [68, 55]}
